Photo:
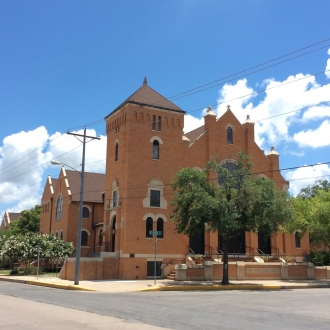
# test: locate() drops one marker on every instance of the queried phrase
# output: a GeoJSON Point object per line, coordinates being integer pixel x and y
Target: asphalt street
{"type": "Point", "coordinates": [21, 306]}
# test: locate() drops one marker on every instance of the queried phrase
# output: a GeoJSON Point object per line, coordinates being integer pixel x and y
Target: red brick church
{"type": "Point", "coordinates": [145, 148]}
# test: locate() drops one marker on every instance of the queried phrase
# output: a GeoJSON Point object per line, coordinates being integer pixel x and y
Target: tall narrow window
{"type": "Point", "coordinates": [115, 198]}
{"type": "Point", "coordinates": [155, 149]}
{"type": "Point", "coordinates": [59, 208]}
{"type": "Point", "coordinates": [160, 227]}
{"type": "Point", "coordinates": [148, 227]}
{"type": "Point", "coordinates": [85, 212]}
{"type": "Point", "coordinates": [155, 198]}
{"type": "Point", "coordinates": [116, 152]}
{"type": "Point", "coordinates": [297, 239]}
{"type": "Point", "coordinates": [61, 235]}
{"type": "Point", "coordinates": [159, 123]}
{"type": "Point", "coordinates": [153, 126]}
{"type": "Point", "coordinates": [84, 238]}
{"type": "Point", "coordinates": [229, 135]}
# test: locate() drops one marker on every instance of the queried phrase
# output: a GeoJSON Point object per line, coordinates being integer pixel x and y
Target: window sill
{"type": "Point", "coordinates": [156, 159]}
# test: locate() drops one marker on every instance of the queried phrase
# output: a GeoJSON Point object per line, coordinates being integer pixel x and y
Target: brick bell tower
{"type": "Point", "coordinates": [144, 151]}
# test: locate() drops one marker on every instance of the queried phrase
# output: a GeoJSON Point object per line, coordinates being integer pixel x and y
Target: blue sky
{"type": "Point", "coordinates": [67, 63]}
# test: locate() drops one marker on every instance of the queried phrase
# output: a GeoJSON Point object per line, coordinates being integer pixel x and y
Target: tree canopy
{"type": "Point", "coordinates": [233, 200]}
{"type": "Point", "coordinates": [29, 221]}
{"type": "Point", "coordinates": [24, 248]}
{"type": "Point", "coordinates": [312, 208]}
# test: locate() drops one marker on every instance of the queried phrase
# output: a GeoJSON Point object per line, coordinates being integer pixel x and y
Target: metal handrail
{"type": "Point", "coordinates": [170, 263]}
{"type": "Point", "coordinates": [212, 249]}
{"type": "Point", "coordinates": [261, 252]}
{"type": "Point", "coordinates": [219, 250]}
{"type": "Point", "coordinates": [190, 250]}
{"type": "Point", "coordinates": [95, 251]}
{"type": "Point", "coordinates": [251, 248]}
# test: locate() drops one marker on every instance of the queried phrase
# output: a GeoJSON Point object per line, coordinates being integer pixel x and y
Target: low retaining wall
{"type": "Point", "coordinates": [251, 271]}
{"type": "Point", "coordinates": [90, 269]}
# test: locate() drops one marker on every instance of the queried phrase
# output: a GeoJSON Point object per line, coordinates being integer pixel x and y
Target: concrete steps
{"type": "Point", "coordinates": [171, 275]}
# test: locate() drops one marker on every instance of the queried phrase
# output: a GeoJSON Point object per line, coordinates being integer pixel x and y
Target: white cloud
{"type": "Point", "coordinates": [328, 66]}
{"type": "Point", "coordinates": [281, 97]}
{"type": "Point", "coordinates": [316, 113]}
{"type": "Point", "coordinates": [25, 156]}
{"type": "Point", "coordinates": [304, 176]}
{"type": "Point", "coordinates": [70, 152]}
{"type": "Point", "coordinates": [191, 122]}
{"type": "Point", "coordinates": [319, 137]}
{"type": "Point", "coordinates": [236, 96]}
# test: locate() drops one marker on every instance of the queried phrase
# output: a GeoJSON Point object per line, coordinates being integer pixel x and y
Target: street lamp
{"type": "Point", "coordinates": [81, 201]}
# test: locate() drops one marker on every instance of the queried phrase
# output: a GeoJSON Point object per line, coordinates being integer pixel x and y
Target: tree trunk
{"type": "Point", "coordinates": [225, 278]}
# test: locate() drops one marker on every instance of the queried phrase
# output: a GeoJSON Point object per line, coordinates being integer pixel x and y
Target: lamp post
{"type": "Point", "coordinates": [82, 176]}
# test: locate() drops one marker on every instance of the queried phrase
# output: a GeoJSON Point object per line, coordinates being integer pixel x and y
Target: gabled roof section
{"type": "Point", "coordinates": [147, 96]}
{"type": "Point", "coordinates": [13, 216]}
{"type": "Point", "coordinates": [195, 134]}
{"type": "Point", "coordinates": [94, 185]}
{"type": "Point", "coordinates": [54, 182]}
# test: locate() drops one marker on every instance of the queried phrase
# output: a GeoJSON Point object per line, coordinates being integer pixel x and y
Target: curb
{"type": "Point", "coordinates": [49, 285]}
{"type": "Point", "coordinates": [230, 287]}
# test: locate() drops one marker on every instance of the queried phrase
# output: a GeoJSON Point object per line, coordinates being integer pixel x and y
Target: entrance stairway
{"type": "Point", "coordinates": [171, 275]}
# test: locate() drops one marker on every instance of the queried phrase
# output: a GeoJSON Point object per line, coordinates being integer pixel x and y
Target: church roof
{"type": "Point", "coordinates": [94, 185]}
{"type": "Point", "coordinates": [147, 96]}
{"type": "Point", "coordinates": [195, 134]}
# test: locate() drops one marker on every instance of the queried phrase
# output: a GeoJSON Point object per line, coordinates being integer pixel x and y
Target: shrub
{"type": "Point", "coordinates": [321, 257]}
{"type": "Point", "coordinates": [14, 272]}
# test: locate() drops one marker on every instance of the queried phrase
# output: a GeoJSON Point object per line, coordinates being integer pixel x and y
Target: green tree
{"type": "Point", "coordinates": [29, 221]}
{"type": "Point", "coordinates": [312, 208]}
{"type": "Point", "coordinates": [237, 201]}
{"type": "Point", "coordinates": [311, 190]}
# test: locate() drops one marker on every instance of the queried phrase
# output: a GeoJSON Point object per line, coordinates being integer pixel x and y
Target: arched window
{"type": "Point", "coordinates": [84, 238]}
{"type": "Point", "coordinates": [297, 239]}
{"type": "Point", "coordinates": [116, 152]}
{"type": "Point", "coordinates": [153, 126]}
{"type": "Point", "coordinates": [148, 227]}
{"type": "Point", "coordinates": [100, 237]}
{"type": "Point", "coordinates": [159, 123]}
{"type": "Point", "coordinates": [85, 212]}
{"type": "Point", "coordinates": [225, 176]}
{"type": "Point", "coordinates": [229, 135]}
{"type": "Point", "coordinates": [155, 149]}
{"type": "Point", "coordinates": [160, 227]}
{"type": "Point", "coordinates": [61, 235]}
{"type": "Point", "coordinates": [59, 208]}
{"type": "Point", "coordinates": [56, 235]}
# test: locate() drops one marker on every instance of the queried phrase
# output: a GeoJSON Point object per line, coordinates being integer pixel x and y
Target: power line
{"type": "Point", "coordinates": [102, 120]}
{"type": "Point", "coordinates": [248, 74]}
{"type": "Point", "coordinates": [254, 93]}
{"type": "Point", "coordinates": [39, 165]}
{"type": "Point", "coordinates": [253, 67]}
{"type": "Point", "coordinates": [174, 142]}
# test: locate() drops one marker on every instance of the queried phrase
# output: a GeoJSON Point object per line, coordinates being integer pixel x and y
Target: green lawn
{"type": "Point", "coordinates": [4, 271]}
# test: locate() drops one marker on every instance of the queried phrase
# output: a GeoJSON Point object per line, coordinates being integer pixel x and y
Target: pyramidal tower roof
{"type": "Point", "coordinates": [147, 96]}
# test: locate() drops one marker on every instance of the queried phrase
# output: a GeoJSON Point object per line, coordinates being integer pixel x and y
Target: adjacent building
{"type": "Point", "coordinates": [7, 218]}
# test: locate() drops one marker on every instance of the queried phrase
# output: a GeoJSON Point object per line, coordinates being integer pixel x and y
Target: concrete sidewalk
{"type": "Point", "coordinates": [118, 286]}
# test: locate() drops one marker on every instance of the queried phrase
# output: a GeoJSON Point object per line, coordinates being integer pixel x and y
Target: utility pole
{"type": "Point", "coordinates": [82, 174]}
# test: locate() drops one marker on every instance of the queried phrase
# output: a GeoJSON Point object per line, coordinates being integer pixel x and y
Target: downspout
{"type": "Point", "coordinates": [93, 227]}
{"type": "Point", "coordinates": [51, 215]}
